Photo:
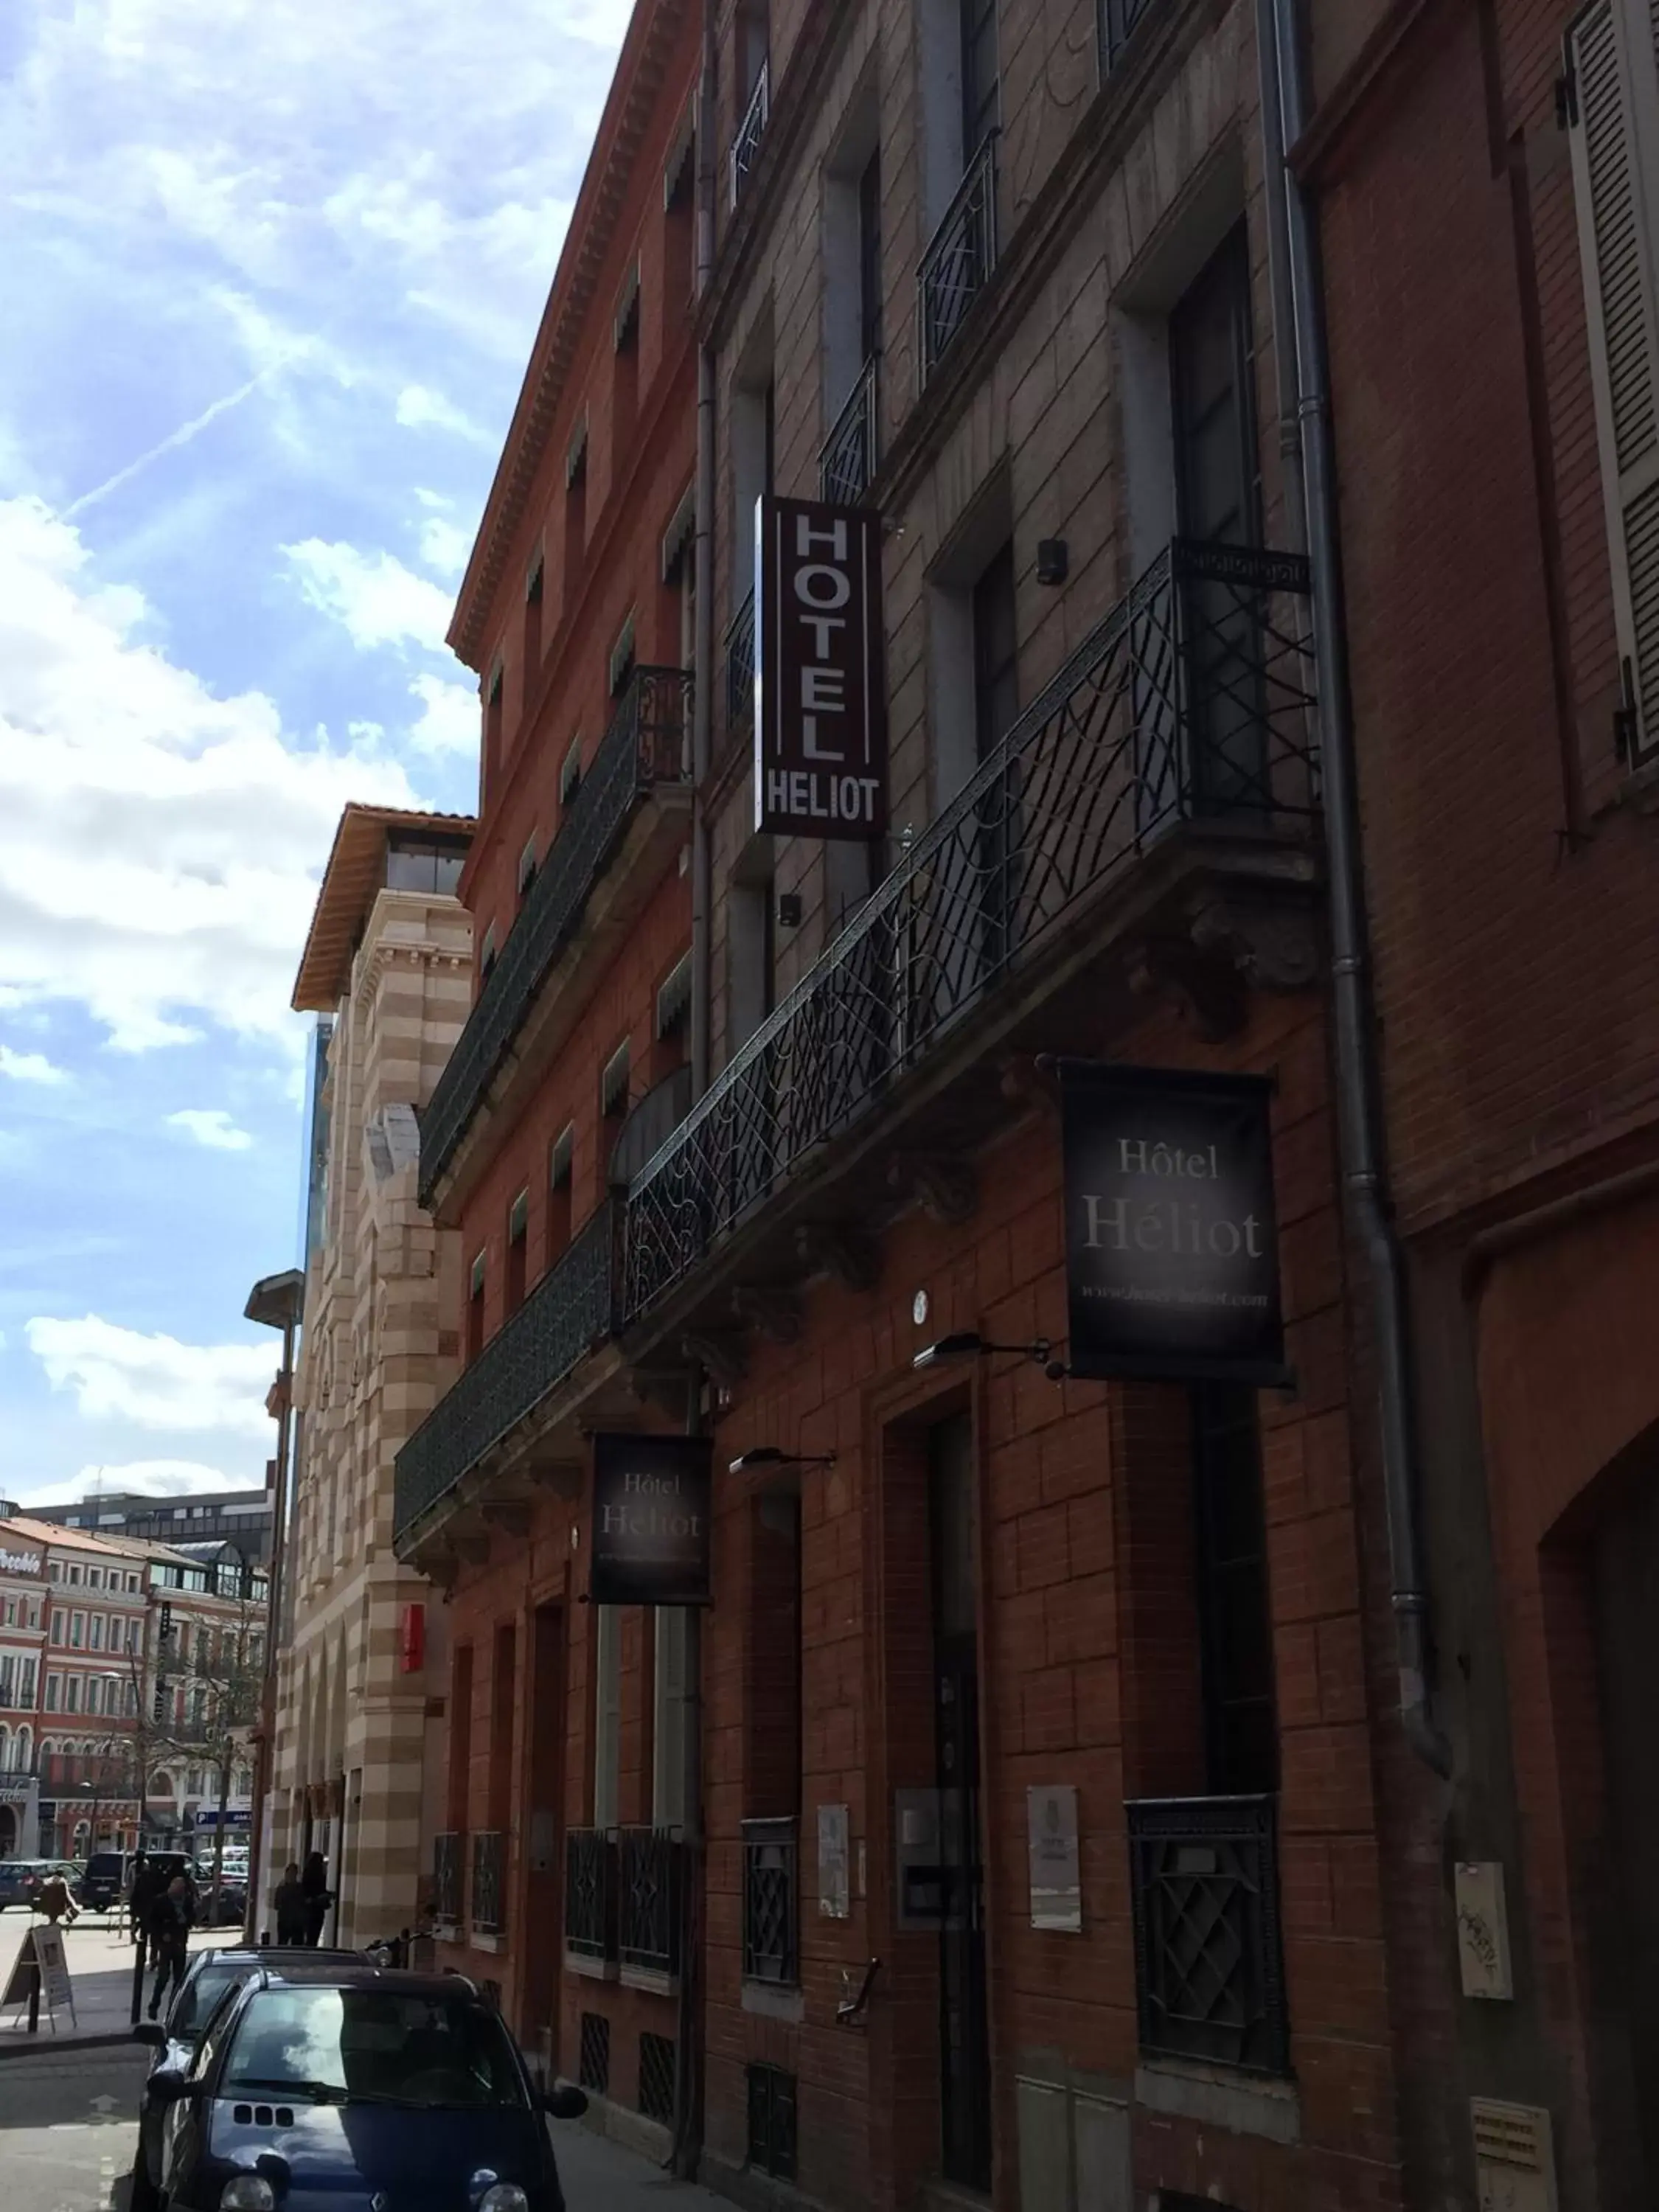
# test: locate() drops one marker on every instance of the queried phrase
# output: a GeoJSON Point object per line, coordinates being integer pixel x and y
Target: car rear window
{"type": "Point", "coordinates": [374, 2045]}
{"type": "Point", "coordinates": [104, 1863]}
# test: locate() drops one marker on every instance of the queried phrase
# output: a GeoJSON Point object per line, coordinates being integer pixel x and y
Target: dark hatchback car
{"type": "Point", "coordinates": [213, 1976]}
{"type": "Point", "coordinates": [358, 2090]}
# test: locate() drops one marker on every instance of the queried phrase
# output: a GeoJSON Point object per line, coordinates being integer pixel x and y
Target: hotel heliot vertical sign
{"type": "Point", "coordinates": [1171, 1244]}
{"type": "Point", "coordinates": [820, 691]}
{"type": "Point", "coordinates": [651, 1520]}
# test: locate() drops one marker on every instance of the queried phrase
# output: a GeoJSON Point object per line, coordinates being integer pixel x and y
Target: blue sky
{"type": "Point", "coordinates": [273, 268]}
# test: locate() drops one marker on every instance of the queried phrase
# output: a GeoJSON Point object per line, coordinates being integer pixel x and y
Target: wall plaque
{"type": "Point", "coordinates": [1055, 1873]}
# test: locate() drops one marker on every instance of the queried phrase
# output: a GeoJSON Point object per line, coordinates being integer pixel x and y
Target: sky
{"type": "Point", "coordinates": [272, 273]}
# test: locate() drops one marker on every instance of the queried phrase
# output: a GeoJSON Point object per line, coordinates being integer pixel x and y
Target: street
{"type": "Point", "coordinates": [68, 2128]}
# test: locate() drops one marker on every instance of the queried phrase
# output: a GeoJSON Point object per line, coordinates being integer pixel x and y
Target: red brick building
{"type": "Point", "coordinates": [1487, 185]}
{"type": "Point", "coordinates": [577, 610]}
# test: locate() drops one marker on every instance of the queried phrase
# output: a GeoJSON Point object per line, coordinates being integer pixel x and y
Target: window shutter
{"type": "Point", "coordinates": [1613, 64]}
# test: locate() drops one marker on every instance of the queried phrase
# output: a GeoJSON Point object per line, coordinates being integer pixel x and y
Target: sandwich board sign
{"type": "Point", "coordinates": [40, 1969]}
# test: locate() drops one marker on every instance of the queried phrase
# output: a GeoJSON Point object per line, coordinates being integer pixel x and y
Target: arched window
{"type": "Point", "coordinates": [5, 1747]}
{"type": "Point", "coordinates": [21, 1751]}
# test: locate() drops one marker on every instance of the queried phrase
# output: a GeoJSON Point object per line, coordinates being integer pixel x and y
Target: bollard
{"type": "Point", "coordinates": [138, 1981]}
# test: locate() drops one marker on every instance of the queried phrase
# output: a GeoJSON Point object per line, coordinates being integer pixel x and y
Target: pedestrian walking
{"type": "Point", "coordinates": [290, 1903]}
{"type": "Point", "coordinates": [172, 1918]}
{"type": "Point", "coordinates": [318, 1897]}
{"type": "Point", "coordinates": [54, 1899]}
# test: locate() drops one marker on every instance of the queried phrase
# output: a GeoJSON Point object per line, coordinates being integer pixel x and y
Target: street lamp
{"type": "Point", "coordinates": [275, 1301]}
{"type": "Point", "coordinates": [770, 1456]}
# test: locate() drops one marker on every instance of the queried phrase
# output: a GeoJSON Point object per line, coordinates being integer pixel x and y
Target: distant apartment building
{"type": "Point", "coordinates": [386, 967]}
{"type": "Point", "coordinates": [241, 1518]}
{"type": "Point", "coordinates": [23, 1623]}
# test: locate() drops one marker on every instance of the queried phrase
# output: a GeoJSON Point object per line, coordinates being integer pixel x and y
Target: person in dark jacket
{"type": "Point", "coordinates": [290, 1902]}
{"type": "Point", "coordinates": [171, 1919]}
{"type": "Point", "coordinates": [318, 1897]}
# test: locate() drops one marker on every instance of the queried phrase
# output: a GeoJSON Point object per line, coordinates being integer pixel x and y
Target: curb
{"type": "Point", "coordinates": [18, 2044]}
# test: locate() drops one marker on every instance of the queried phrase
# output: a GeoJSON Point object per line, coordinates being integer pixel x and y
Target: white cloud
{"type": "Point", "coordinates": [30, 1067]}
{"type": "Point", "coordinates": [379, 601]}
{"type": "Point", "coordinates": [445, 546]}
{"type": "Point", "coordinates": [155, 1382]}
{"type": "Point", "coordinates": [212, 1126]}
{"type": "Point", "coordinates": [449, 716]}
{"type": "Point", "coordinates": [141, 1478]}
{"type": "Point", "coordinates": [418, 409]}
{"type": "Point", "coordinates": [162, 844]}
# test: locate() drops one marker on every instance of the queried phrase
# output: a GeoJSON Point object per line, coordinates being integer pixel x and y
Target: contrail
{"type": "Point", "coordinates": [170, 444]}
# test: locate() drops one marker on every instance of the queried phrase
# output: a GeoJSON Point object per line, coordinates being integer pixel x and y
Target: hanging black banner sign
{"type": "Point", "coordinates": [1171, 1249]}
{"type": "Point", "coordinates": [820, 695]}
{"type": "Point", "coordinates": [651, 1520]}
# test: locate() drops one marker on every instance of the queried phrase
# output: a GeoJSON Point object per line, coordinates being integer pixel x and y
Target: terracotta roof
{"type": "Point", "coordinates": [355, 873]}
{"type": "Point", "coordinates": [74, 1540]}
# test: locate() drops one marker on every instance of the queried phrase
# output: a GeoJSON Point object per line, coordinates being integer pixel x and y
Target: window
{"type": "Point", "coordinates": [526, 870]}
{"type": "Point", "coordinates": [95, 1633]}
{"type": "Point", "coordinates": [409, 866]}
{"type": "Point", "coordinates": [570, 775]}
{"type": "Point", "coordinates": [622, 659]}
{"type": "Point", "coordinates": [54, 1692]}
{"type": "Point", "coordinates": [94, 1578]}
{"type": "Point", "coordinates": [1614, 131]}
{"type": "Point", "coordinates": [133, 1628]}
{"type": "Point", "coordinates": [55, 1570]}
{"type": "Point", "coordinates": [132, 1583]}
{"type": "Point", "coordinates": [518, 1239]}
{"type": "Point", "coordinates": [57, 1627]}
{"type": "Point", "coordinates": [613, 1084]}
{"type": "Point", "coordinates": [475, 1309]}
{"type": "Point", "coordinates": [22, 1748]}
{"type": "Point", "coordinates": [607, 1713]}
{"type": "Point", "coordinates": [114, 1640]}
{"type": "Point", "coordinates": [996, 652]}
{"type": "Point", "coordinates": [131, 1703]}
{"type": "Point", "coordinates": [870, 256]}
{"type": "Point", "coordinates": [494, 711]}
{"type": "Point", "coordinates": [979, 74]}
{"type": "Point", "coordinates": [77, 1631]}
{"type": "Point", "coordinates": [487, 956]}
{"type": "Point", "coordinates": [75, 1576]}
{"type": "Point", "coordinates": [625, 387]}
{"type": "Point", "coordinates": [7, 1678]}
{"type": "Point", "coordinates": [26, 1682]}
{"type": "Point", "coordinates": [72, 1693]}
{"type": "Point", "coordinates": [533, 595]}
{"type": "Point", "coordinates": [95, 1694]}
{"type": "Point", "coordinates": [674, 1003]}
{"type": "Point", "coordinates": [575, 513]}
{"type": "Point", "coordinates": [560, 1165]}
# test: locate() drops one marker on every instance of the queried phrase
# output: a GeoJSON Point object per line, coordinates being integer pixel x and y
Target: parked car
{"type": "Point", "coordinates": [213, 1977]}
{"type": "Point", "coordinates": [105, 1882]}
{"type": "Point", "coordinates": [21, 1879]}
{"type": "Point", "coordinates": [329, 2087]}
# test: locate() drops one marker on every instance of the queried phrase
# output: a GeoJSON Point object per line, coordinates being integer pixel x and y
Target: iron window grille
{"type": "Point", "coordinates": [447, 1850]}
{"type": "Point", "coordinates": [644, 748]}
{"type": "Point", "coordinates": [745, 147]}
{"type": "Point", "coordinates": [594, 2054]}
{"type": "Point", "coordinates": [772, 2095]}
{"type": "Point", "coordinates": [656, 2093]}
{"type": "Point", "coordinates": [590, 1893]}
{"type": "Point", "coordinates": [1209, 1971]}
{"type": "Point", "coordinates": [488, 1883]}
{"type": "Point", "coordinates": [1119, 21]}
{"type": "Point", "coordinates": [571, 1308]}
{"type": "Point", "coordinates": [651, 1863]}
{"type": "Point", "coordinates": [740, 654]}
{"type": "Point", "coordinates": [959, 258]}
{"type": "Point", "coordinates": [771, 1901]}
{"type": "Point", "coordinates": [1190, 700]}
{"type": "Point", "coordinates": [847, 464]}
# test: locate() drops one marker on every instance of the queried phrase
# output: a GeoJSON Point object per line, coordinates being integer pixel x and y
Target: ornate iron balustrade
{"type": "Point", "coordinates": [771, 1901]}
{"type": "Point", "coordinates": [739, 648]}
{"type": "Point", "coordinates": [489, 1882]}
{"type": "Point", "coordinates": [572, 1308]}
{"type": "Point", "coordinates": [1190, 700]}
{"type": "Point", "coordinates": [1118, 21]}
{"type": "Point", "coordinates": [959, 258]}
{"type": "Point", "coordinates": [1210, 1977]}
{"type": "Point", "coordinates": [752, 129]}
{"type": "Point", "coordinates": [590, 1893]}
{"type": "Point", "coordinates": [447, 1851]}
{"type": "Point", "coordinates": [847, 465]}
{"type": "Point", "coordinates": [645, 747]}
{"type": "Point", "coordinates": [652, 1864]}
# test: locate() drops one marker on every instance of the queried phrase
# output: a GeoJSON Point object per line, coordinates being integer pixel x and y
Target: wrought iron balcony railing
{"type": "Point", "coordinates": [1189, 700]}
{"type": "Point", "coordinates": [1209, 1973]}
{"type": "Point", "coordinates": [1118, 22]}
{"type": "Point", "coordinates": [771, 1901]}
{"type": "Point", "coordinates": [590, 1893]}
{"type": "Point", "coordinates": [959, 258]}
{"type": "Point", "coordinates": [448, 1851]}
{"type": "Point", "coordinates": [847, 465]}
{"type": "Point", "coordinates": [739, 648]}
{"type": "Point", "coordinates": [488, 1883]}
{"type": "Point", "coordinates": [651, 1866]}
{"type": "Point", "coordinates": [752, 129]}
{"type": "Point", "coordinates": [572, 1308]}
{"type": "Point", "coordinates": [644, 748]}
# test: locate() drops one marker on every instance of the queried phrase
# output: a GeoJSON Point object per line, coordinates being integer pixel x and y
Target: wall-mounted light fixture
{"type": "Point", "coordinates": [769, 1455]}
{"type": "Point", "coordinates": [967, 1343]}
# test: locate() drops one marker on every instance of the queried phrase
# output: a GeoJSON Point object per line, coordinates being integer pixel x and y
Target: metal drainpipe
{"type": "Point", "coordinates": [1357, 1088]}
{"type": "Point", "coordinates": [703, 705]}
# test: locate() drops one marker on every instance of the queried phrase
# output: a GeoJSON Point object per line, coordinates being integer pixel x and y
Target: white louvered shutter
{"type": "Point", "coordinates": [1613, 55]}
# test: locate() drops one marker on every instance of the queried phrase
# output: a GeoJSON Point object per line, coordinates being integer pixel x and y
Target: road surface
{"type": "Point", "coordinates": [68, 2128]}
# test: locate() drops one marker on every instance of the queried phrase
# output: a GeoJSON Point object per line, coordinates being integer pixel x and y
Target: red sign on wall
{"type": "Point", "coordinates": [820, 691]}
{"type": "Point", "coordinates": [412, 1640]}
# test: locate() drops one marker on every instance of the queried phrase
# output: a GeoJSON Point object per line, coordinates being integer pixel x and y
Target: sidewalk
{"type": "Point", "coordinates": [101, 1973]}
{"type": "Point", "coordinates": [598, 2175]}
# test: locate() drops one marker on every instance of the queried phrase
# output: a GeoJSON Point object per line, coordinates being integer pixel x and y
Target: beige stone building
{"type": "Point", "coordinates": [386, 967]}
